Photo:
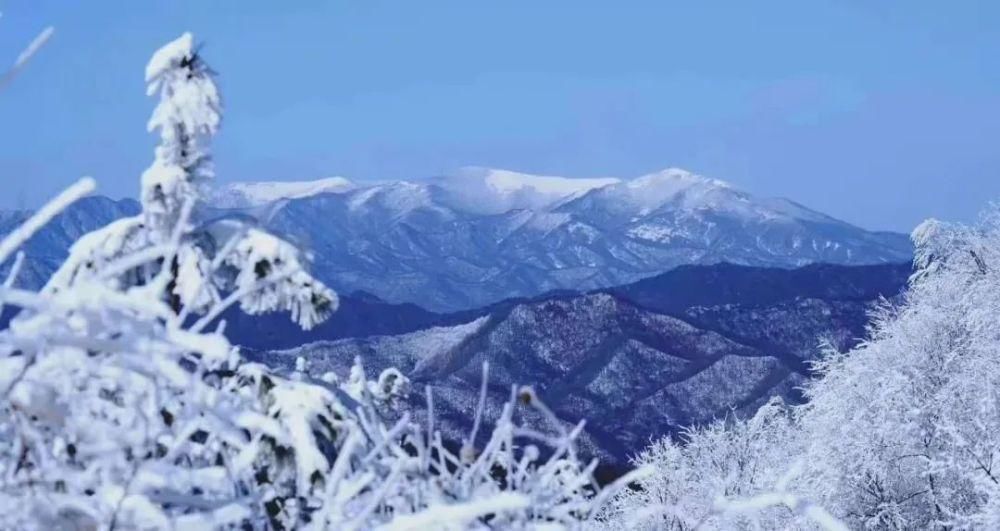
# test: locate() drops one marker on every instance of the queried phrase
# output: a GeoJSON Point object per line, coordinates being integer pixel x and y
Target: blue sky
{"type": "Point", "coordinates": [880, 113]}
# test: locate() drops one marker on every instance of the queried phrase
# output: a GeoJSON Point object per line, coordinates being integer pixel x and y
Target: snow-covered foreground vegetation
{"type": "Point", "coordinates": [122, 405]}
{"type": "Point", "coordinates": [903, 432]}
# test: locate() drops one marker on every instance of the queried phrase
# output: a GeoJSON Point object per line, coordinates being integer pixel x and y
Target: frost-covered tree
{"type": "Point", "coordinates": [696, 477]}
{"type": "Point", "coordinates": [903, 432]}
{"type": "Point", "coordinates": [199, 261]}
{"type": "Point", "coordinates": [123, 407]}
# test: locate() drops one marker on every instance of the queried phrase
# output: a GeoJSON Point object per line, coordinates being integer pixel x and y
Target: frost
{"type": "Point", "coordinates": [899, 433]}
{"type": "Point", "coordinates": [20, 235]}
{"type": "Point", "coordinates": [495, 191]}
{"type": "Point", "coordinates": [250, 194]}
{"type": "Point", "coordinates": [208, 267]}
{"type": "Point", "coordinates": [123, 407]}
{"type": "Point", "coordinates": [33, 47]}
{"type": "Point", "coordinates": [656, 233]}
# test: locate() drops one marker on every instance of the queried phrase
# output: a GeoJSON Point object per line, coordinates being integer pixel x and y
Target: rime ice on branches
{"type": "Point", "coordinates": [123, 405]}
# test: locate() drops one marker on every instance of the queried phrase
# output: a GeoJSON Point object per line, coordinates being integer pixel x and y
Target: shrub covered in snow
{"type": "Point", "coordinates": [122, 405]}
{"type": "Point", "coordinates": [903, 432]}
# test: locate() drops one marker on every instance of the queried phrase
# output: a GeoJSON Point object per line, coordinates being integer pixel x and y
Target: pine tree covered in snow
{"type": "Point", "coordinates": [208, 259]}
{"type": "Point", "coordinates": [123, 406]}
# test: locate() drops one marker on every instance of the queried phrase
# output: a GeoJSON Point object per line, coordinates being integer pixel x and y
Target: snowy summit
{"type": "Point", "coordinates": [249, 194]}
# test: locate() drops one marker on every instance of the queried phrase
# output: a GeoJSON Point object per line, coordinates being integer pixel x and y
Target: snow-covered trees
{"type": "Point", "coordinates": [198, 262]}
{"type": "Point", "coordinates": [122, 405]}
{"type": "Point", "coordinates": [694, 478]}
{"type": "Point", "coordinates": [903, 432]}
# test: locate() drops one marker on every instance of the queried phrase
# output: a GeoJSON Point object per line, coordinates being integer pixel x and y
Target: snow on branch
{"type": "Point", "coordinates": [33, 47]}
{"type": "Point", "coordinates": [899, 433]}
{"type": "Point", "coordinates": [118, 411]}
{"type": "Point", "coordinates": [752, 505]}
{"type": "Point", "coordinates": [26, 230]}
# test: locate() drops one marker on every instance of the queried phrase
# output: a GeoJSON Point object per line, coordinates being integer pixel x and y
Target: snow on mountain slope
{"type": "Point", "coordinates": [482, 235]}
{"type": "Point", "coordinates": [591, 357]}
{"type": "Point", "coordinates": [485, 235]}
{"type": "Point", "coordinates": [249, 194]}
{"type": "Point", "coordinates": [685, 195]}
{"type": "Point", "coordinates": [638, 361]}
{"type": "Point", "coordinates": [495, 191]}
{"type": "Point", "coordinates": [472, 189]}
{"type": "Point", "coordinates": [653, 190]}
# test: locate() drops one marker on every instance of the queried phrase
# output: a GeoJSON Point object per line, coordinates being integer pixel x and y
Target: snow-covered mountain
{"type": "Point", "coordinates": [492, 191]}
{"type": "Point", "coordinates": [251, 194]}
{"type": "Point", "coordinates": [482, 235]}
{"type": "Point", "coordinates": [637, 361]}
{"type": "Point", "coordinates": [641, 359]}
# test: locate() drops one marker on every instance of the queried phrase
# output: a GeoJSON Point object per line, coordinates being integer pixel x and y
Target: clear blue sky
{"type": "Point", "coordinates": [881, 113]}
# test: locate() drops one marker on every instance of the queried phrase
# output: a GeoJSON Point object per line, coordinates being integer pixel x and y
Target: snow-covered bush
{"type": "Point", "coordinates": [122, 404]}
{"type": "Point", "coordinates": [712, 477]}
{"type": "Point", "coordinates": [903, 432]}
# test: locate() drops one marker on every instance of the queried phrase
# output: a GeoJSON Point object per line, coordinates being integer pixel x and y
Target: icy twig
{"type": "Point", "coordinates": [26, 55]}
{"type": "Point", "coordinates": [457, 516]}
{"type": "Point", "coordinates": [26, 230]}
{"type": "Point", "coordinates": [799, 505]}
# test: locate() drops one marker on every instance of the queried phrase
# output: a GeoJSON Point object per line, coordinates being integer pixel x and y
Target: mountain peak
{"type": "Point", "coordinates": [248, 194]}
{"type": "Point", "coordinates": [673, 180]}
{"type": "Point", "coordinates": [511, 181]}
{"type": "Point", "coordinates": [493, 190]}
{"type": "Point", "coordinates": [670, 186]}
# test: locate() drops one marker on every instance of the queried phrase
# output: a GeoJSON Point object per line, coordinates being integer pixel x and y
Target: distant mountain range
{"type": "Point", "coordinates": [639, 361]}
{"type": "Point", "coordinates": [483, 235]}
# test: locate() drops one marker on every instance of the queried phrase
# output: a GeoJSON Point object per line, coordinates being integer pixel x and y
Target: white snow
{"type": "Point", "coordinates": [506, 181]}
{"type": "Point", "coordinates": [457, 516]}
{"type": "Point", "coordinates": [45, 214]}
{"type": "Point", "coordinates": [434, 340]}
{"type": "Point", "coordinates": [493, 191]}
{"type": "Point", "coordinates": [548, 221]}
{"type": "Point", "coordinates": [439, 338]}
{"type": "Point", "coordinates": [248, 194]}
{"type": "Point", "coordinates": [679, 188]}
{"type": "Point", "coordinates": [396, 199]}
{"type": "Point", "coordinates": [117, 411]}
{"type": "Point", "coordinates": [654, 233]}
{"type": "Point", "coordinates": [490, 191]}
{"type": "Point", "coordinates": [26, 55]}
{"type": "Point", "coordinates": [167, 56]}
{"type": "Point", "coordinates": [35, 45]}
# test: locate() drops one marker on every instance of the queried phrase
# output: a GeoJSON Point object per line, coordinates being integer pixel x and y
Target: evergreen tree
{"type": "Point", "coordinates": [201, 262]}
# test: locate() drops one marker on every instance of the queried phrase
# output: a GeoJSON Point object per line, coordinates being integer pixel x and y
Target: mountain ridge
{"type": "Point", "coordinates": [485, 235]}
{"type": "Point", "coordinates": [635, 371]}
{"type": "Point", "coordinates": [452, 256]}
